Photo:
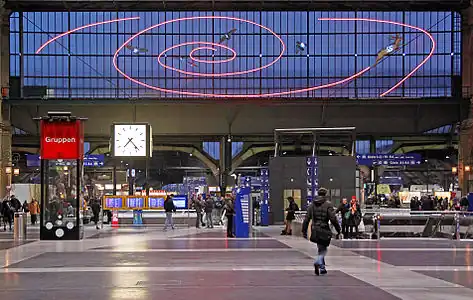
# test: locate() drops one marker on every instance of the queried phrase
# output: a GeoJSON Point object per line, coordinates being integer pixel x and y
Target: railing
{"type": "Point", "coordinates": [406, 223]}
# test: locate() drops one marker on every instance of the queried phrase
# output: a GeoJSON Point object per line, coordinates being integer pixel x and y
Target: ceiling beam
{"type": "Point", "coordinates": [234, 5]}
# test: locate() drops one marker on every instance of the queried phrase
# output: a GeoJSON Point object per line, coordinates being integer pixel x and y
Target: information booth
{"type": "Point", "coordinates": [62, 152]}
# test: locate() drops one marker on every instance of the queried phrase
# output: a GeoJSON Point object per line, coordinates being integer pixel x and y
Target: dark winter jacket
{"type": "Point", "coordinates": [321, 212]}
{"type": "Point", "coordinates": [229, 208]}
{"type": "Point", "coordinates": [15, 203]}
{"type": "Point", "coordinates": [343, 209]}
{"type": "Point", "coordinates": [291, 211]}
{"type": "Point", "coordinates": [95, 207]}
{"type": "Point", "coordinates": [209, 205]}
{"type": "Point", "coordinates": [355, 219]}
{"type": "Point", "coordinates": [169, 206]}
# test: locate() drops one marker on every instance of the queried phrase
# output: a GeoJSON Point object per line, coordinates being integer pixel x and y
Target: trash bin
{"type": "Point", "coordinates": [19, 226]}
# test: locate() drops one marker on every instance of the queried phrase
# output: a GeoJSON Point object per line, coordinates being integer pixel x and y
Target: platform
{"type": "Point", "coordinates": [147, 263]}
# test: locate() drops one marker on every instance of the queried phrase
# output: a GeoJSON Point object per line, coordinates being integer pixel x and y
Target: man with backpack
{"type": "Point", "coordinates": [320, 212]}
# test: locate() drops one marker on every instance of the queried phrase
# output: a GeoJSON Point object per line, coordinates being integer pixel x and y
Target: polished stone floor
{"type": "Point", "coordinates": [147, 263]}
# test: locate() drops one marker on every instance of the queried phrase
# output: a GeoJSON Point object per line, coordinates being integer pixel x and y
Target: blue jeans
{"type": "Point", "coordinates": [169, 221]}
{"type": "Point", "coordinates": [320, 260]}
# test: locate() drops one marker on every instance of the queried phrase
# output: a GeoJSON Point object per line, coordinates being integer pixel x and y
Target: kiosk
{"type": "Point", "coordinates": [62, 153]}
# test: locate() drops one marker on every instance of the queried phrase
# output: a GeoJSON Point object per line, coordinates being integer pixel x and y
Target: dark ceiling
{"type": "Point", "coordinates": [231, 5]}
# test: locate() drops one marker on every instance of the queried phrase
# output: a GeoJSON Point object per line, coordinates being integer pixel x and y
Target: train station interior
{"type": "Point", "coordinates": [225, 150]}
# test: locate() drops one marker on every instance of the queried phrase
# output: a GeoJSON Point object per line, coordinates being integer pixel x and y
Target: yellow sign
{"type": "Point", "coordinates": [383, 189]}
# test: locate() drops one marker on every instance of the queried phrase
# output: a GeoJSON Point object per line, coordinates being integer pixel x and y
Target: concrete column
{"type": "Point", "coordinates": [465, 148]}
{"type": "Point", "coordinates": [5, 128]}
{"type": "Point", "coordinates": [225, 162]}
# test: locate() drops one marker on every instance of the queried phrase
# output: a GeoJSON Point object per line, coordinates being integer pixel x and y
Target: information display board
{"type": "Point", "coordinates": [155, 202]}
{"type": "Point", "coordinates": [180, 201]}
{"type": "Point", "coordinates": [113, 202]}
{"type": "Point", "coordinates": [135, 202]}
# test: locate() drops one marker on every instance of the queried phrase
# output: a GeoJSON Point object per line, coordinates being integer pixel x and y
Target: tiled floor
{"type": "Point", "coordinates": [147, 263]}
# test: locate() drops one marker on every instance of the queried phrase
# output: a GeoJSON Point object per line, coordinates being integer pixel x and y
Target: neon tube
{"type": "Point", "coordinates": [80, 28]}
{"type": "Point", "coordinates": [283, 46]}
{"type": "Point", "coordinates": [432, 49]}
{"type": "Point", "coordinates": [221, 61]}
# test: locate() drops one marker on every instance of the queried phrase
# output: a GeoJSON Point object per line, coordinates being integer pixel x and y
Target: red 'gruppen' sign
{"type": "Point", "coordinates": [62, 140]}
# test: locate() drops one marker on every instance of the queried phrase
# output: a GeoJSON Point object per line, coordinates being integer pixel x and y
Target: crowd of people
{"type": "Point", "coordinates": [430, 203]}
{"type": "Point", "coordinates": [214, 209]}
{"type": "Point", "coordinates": [11, 204]}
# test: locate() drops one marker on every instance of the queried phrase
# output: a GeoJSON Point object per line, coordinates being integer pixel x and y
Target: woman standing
{"type": "Point", "coordinates": [230, 213]}
{"type": "Point", "coordinates": [355, 217]}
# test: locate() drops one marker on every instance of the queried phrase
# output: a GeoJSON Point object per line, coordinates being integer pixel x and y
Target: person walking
{"type": "Point", "coordinates": [230, 213]}
{"type": "Point", "coordinates": [290, 216]}
{"type": "Point", "coordinates": [344, 210]}
{"type": "Point", "coordinates": [209, 206]}
{"type": "Point", "coordinates": [320, 212]}
{"type": "Point", "coordinates": [15, 203]}
{"type": "Point", "coordinates": [169, 208]}
{"type": "Point", "coordinates": [95, 206]}
{"type": "Point", "coordinates": [7, 212]}
{"type": "Point", "coordinates": [34, 210]}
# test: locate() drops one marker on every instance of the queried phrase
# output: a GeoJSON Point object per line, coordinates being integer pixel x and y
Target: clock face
{"type": "Point", "coordinates": [130, 140]}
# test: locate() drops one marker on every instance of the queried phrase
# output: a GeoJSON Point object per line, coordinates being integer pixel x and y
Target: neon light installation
{"type": "Point", "coordinates": [220, 61]}
{"type": "Point", "coordinates": [432, 49]}
{"type": "Point", "coordinates": [82, 27]}
{"type": "Point", "coordinates": [283, 48]}
{"type": "Point", "coordinates": [213, 46]}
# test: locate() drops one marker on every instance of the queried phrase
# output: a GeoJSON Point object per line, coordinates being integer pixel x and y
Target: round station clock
{"type": "Point", "coordinates": [131, 140]}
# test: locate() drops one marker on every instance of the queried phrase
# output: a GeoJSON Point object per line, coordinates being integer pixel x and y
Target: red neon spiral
{"type": "Point", "coordinates": [220, 61]}
{"type": "Point", "coordinates": [191, 55]}
{"type": "Point", "coordinates": [115, 64]}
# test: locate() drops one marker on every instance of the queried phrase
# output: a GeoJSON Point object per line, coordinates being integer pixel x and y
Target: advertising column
{"type": "Point", "coordinates": [62, 146]}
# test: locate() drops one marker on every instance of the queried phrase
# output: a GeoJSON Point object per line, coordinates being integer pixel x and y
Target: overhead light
{"type": "Point", "coordinates": [447, 157]}
{"type": "Point", "coordinates": [8, 170]}
{"type": "Point", "coordinates": [292, 179]}
{"type": "Point", "coordinates": [284, 153]}
{"type": "Point", "coordinates": [331, 179]}
{"type": "Point", "coordinates": [16, 171]}
{"type": "Point", "coordinates": [330, 153]}
{"type": "Point", "coordinates": [467, 168]}
{"type": "Point", "coordinates": [454, 169]}
{"type": "Point", "coordinates": [426, 160]}
{"type": "Point", "coordinates": [190, 154]}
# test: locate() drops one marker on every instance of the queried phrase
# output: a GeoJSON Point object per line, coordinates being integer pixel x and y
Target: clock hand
{"type": "Point", "coordinates": [129, 140]}
{"type": "Point", "coordinates": [135, 146]}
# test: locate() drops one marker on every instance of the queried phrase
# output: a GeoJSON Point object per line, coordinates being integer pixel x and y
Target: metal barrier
{"type": "Point", "coordinates": [19, 226]}
{"type": "Point", "coordinates": [406, 223]}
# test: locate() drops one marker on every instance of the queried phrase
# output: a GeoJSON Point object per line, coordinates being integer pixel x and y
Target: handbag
{"type": "Point", "coordinates": [347, 215]}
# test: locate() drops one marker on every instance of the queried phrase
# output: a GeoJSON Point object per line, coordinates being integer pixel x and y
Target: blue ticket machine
{"type": "Point", "coordinates": [242, 212]}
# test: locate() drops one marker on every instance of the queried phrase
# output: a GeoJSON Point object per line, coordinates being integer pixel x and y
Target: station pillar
{"type": "Point", "coordinates": [465, 146]}
{"type": "Point", "coordinates": [5, 128]}
{"type": "Point", "coordinates": [225, 163]}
